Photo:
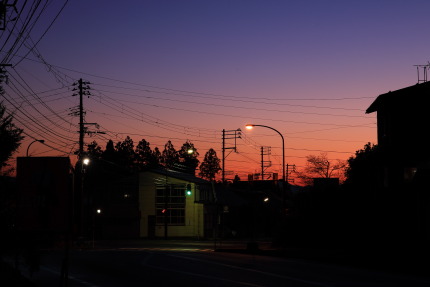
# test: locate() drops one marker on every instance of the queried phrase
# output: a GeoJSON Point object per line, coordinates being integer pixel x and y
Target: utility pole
{"type": "Point", "coordinates": [231, 134]}
{"type": "Point", "coordinates": [82, 90]}
{"type": "Point", "coordinates": [3, 9]}
{"type": "Point", "coordinates": [79, 111]}
{"type": "Point", "coordinates": [293, 166]}
{"type": "Point", "coordinates": [265, 150]}
{"type": "Point", "coordinates": [262, 163]}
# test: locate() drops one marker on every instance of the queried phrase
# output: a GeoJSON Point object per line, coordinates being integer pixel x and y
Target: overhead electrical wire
{"type": "Point", "coordinates": [233, 99]}
{"type": "Point", "coordinates": [22, 30]}
{"type": "Point", "coordinates": [27, 30]}
{"type": "Point", "coordinates": [44, 33]}
{"type": "Point", "coordinates": [236, 107]}
{"type": "Point", "coordinates": [210, 94]}
{"type": "Point", "coordinates": [25, 86]}
{"type": "Point", "coordinates": [29, 123]}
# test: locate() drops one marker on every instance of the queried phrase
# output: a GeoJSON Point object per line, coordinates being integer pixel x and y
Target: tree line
{"type": "Point", "coordinates": [141, 157]}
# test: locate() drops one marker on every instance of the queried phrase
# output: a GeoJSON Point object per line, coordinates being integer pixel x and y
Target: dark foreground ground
{"type": "Point", "coordinates": [407, 261]}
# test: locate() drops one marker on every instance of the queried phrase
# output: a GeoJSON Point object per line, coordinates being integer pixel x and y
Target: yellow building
{"type": "Point", "coordinates": [170, 205]}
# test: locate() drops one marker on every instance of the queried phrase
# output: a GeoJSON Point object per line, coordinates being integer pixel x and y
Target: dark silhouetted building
{"type": "Point", "coordinates": [403, 193]}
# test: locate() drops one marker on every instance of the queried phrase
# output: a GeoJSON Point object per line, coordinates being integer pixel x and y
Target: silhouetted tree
{"type": "Point", "coordinates": [188, 157]}
{"type": "Point", "coordinates": [362, 170]}
{"type": "Point", "coordinates": [170, 156]}
{"type": "Point", "coordinates": [319, 166]}
{"type": "Point", "coordinates": [362, 190]}
{"type": "Point", "coordinates": [94, 150]}
{"type": "Point", "coordinates": [210, 165]}
{"type": "Point", "coordinates": [10, 136]}
{"type": "Point", "coordinates": [125, 150]}
{"type": "Point", "coordinates": [110, 154]}
{"type": "Point", "coordinates": [156, 157]}
{"type": "Point", "coordinates": [145, 157]}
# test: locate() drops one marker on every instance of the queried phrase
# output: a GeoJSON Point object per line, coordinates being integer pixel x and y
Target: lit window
{"type": "Point", "coordinates": [170, 204]}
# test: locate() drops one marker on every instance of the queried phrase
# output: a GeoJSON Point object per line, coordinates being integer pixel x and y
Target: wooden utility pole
{"type": "Point", "coordinates": [82, 90]}
{"type": "Point", "coordinates": [231, 134]}
{"type": "Point", "coordinates": [288, 172]}
{"type": "Point", "coordinates": [4, 5]}
{"type": "Point", "coordinates": [265, 150]}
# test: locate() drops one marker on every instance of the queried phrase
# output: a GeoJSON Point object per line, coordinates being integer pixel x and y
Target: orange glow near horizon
{"type": "Point", "coordinates": [185, 72]}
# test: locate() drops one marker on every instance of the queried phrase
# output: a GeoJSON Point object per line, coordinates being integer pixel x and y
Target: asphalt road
{"type": "Point", "coordinates": [196, 264]}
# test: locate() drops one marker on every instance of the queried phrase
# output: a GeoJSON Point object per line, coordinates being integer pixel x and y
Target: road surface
{"type": "Point", "coordinates": [198, 265]}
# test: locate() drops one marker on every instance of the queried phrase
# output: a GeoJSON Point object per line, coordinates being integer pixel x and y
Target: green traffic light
{"type": "Point", "coordinates": [188, 192]}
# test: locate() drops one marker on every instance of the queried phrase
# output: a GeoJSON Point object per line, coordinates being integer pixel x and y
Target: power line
{"type": "Point", "coordinates": [211, 94]}
{"type": "Point", "coordinates": [238, 107]}
{"type": "Point", "coordinates": [233, 99]}
{"type": "Point", "coordinates": [44, 33]}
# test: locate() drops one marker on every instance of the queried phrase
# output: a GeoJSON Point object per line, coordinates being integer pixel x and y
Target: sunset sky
{"type": "Point", "coordinates": [186, 70]}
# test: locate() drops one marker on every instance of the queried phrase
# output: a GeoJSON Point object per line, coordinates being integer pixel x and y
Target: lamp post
{"type": "Point", "coordinates": [249, 127]}
{"type": "Point", "coordinates": [85, 161]}
{"type": "Point", "coordinates": [41, 141]}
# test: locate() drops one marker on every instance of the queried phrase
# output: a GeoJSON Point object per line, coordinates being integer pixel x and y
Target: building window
{"type": "Point", "coordinates": [170, 204]}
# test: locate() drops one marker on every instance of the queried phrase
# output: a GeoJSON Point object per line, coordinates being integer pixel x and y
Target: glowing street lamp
{"type": "Point", "coordinates": [251, 126]}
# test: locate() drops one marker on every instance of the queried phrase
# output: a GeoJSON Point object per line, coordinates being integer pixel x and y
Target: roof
{"type": "Point", "coordinates": [417, 92]}
{"type": "Point", "coordinates": [178, 175]}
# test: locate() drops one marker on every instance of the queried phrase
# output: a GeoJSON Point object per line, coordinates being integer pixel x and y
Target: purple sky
{"type": "Point", "coordinates": [186, 70]}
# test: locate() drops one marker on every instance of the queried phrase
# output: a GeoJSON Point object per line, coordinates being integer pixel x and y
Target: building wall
{"type": "Point", "coordinates": [193, 226]}
{"type": "Point", "coordinates": [402, 120]}
{"type": "Point", "coordinates": [44, 194]}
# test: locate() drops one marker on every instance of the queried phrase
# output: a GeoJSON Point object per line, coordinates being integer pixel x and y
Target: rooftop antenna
{"type": "Point", "coordinates": [424, 69]}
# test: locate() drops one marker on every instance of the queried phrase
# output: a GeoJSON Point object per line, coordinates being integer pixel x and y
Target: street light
{"type": "Point", "coordinates": [41, 141]}
{"type": "Point", "coordinates": [85, 161]}
{"type": "Point", "coordinates": [249, 127]}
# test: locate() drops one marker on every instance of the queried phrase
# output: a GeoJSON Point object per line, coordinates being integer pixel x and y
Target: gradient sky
{"type": "Point", "coordinates": [186, 70]}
